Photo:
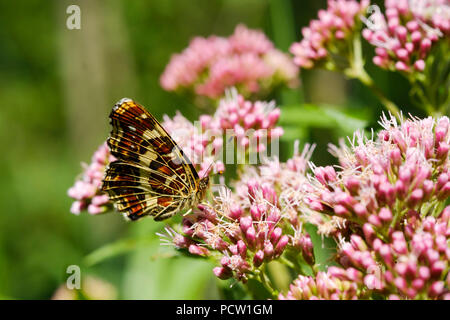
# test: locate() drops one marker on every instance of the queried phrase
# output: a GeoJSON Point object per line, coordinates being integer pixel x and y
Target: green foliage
{"type": "Point", "coordinates": [430, 89]}
{"type": "Point", "coordinates": [151, 276]}
{"type": "Point", "coordinates": [300, 121]}
{"type": "Point", "coordinates": [324, 248]}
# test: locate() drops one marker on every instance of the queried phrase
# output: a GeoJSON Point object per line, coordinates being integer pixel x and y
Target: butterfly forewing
{"type": "Point", "coordinates": [152, 176]}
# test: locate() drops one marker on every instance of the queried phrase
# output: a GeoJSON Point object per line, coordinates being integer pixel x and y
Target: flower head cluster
{"type": "Point", "coordinates": [406, 168]}
{"type": "Point", "coordinates": [330, 35]}
{"type": "Point", "coordinates": [389, 196]}
{"type": "Point", "coordinates": [86, 190]}
{"type": "Point", "coordinates": [245, 233]}
{"type": "Point", "coordinates": [252, 123]}
{"type": "Point", "coordinates": [404, 36]}
{"type": "Point", "coordinates": [413, 263]}
{"type": "Point", "coordinates": [335, 284]}
{"type": "Point", "coordinates": [246, 60]}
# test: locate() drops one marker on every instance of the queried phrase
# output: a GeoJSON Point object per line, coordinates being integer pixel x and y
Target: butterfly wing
{"type": "Point", "coordinates": [152, 176]}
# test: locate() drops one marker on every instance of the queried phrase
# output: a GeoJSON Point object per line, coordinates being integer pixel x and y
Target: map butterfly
{"type": "Point", "coordinates": [151, 176]}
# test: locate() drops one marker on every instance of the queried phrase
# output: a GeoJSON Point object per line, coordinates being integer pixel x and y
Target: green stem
{"type": "Point", "coordinates": [424, 103]}
{"type": "Point", "coordinates": [357, 71]}
{"type": "Point", "coordinates": [390, 106]}
{"type": "Point", "coordinates": [287, 262]}
{"type": "Point", "coordinates": [266, 283]}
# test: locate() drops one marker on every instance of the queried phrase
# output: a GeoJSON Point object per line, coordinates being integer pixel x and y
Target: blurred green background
{"type": "Point", "coordinates": [57, 87]}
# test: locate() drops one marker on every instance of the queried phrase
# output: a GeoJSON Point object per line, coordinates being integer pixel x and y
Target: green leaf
{"type": "Point", "coordinates": [232, 290]}
{"type": "Point", "coordinates": [283, 32]}
{"type": "Point", "coordinates": [305, 115]}
{"type": "Point", "coordinates": [162, 278]}
{"type": "Point", "coordinates": [257, 290]}
{"type": "Point", "coordinates": [116, 248]}
{"type": "Point", "coordinates": [347, 123]}
{"type": "Point", "coordinates": [292, 133]}
{"type": "Point", "coordinates": [321, 116]}
{"type": "Point", "coordinates": [324, 248]}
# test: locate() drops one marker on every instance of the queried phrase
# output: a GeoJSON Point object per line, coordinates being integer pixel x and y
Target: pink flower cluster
{"type": "Point", "coordinates": [246, 232]}
{"type": "Point", "coordinates": [413, 263]}
{"type": "Point", "coordinates": [385, 208]}
{"type": "Point", "coordinates": [335, 284]}
{"type": "Point", "coordinates": [403, 37]}
{"type": "Point", "coordinates": [407, 167]}
{"type": "Point", "coordinates": [86, 190]}
{"type": "Point", "coordinates": [329, 35]}
{"type": "Point", "coordinates": [246, 60]}
{"type": "Point", "coordinates": [252, 123]}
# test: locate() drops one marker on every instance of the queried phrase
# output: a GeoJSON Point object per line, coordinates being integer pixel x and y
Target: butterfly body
{"type": "Point", "coordinates": [151, 175]}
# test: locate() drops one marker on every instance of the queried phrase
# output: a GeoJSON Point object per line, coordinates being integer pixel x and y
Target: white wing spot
{"type": "Point", "coordinates": [120, 102]}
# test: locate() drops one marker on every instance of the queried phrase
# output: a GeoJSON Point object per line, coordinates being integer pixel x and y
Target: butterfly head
{"type": "Point", "coordinates": [203, 185]}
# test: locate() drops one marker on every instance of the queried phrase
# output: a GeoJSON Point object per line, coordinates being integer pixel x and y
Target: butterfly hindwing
{"type": "Point", "coordinates": [136, 194]}
{"type": "Point", "coordinates": [152, 176]}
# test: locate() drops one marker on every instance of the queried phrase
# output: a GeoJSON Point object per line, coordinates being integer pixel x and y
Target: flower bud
{"type": "Point", "coordinates": [258, 258]}
{"type": "Point", "coordinates": [235, 211]}
{"type": "Point", "coordinates": [385, 215]}
{"type": "Point", "coordinates": [268, 250]}
{"type": "Point", "coordinates": [223, 273]}
{"type": "Point", "coordinates": [275, 235]}
{"type": "Point", "coordinates": [281, 245]}
{"type": "Point", "coordinates": [245, 223]}
{"type": "Point", "coordinates": [242, 248]}
{"type": "Point", "coordinates": [197, 250]}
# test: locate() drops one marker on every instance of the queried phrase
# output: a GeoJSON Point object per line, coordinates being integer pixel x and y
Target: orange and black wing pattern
{"type": "Point", "coordinates": [151, 175]}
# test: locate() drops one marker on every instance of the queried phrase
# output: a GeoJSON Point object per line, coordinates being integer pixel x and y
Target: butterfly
{"type": "Point", "coordinates": [151, 176]}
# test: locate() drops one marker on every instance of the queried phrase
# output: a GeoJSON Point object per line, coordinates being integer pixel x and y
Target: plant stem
{"type": "Point", "coordinates": [390, 106]}
{"type": "Point", "coordinates": [357, 71]}
{"type": "Point", "coordinates": [287, 262]}
{"type": "Point", "coordinates": [266, 283]}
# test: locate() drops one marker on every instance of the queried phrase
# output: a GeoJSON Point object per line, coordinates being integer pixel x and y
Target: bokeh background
{"type": "Point", "coordinates": [57, 87]}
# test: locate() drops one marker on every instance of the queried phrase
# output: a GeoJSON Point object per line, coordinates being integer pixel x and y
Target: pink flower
{"type": "Point", "coordinates": [410, 264]}
{"type": "Point", "coordinates": [335, 284]}
{"type": "Point", "coordinates": [86, 190]}
{"type": "Point", "coordinates": [329, 34]}
{"type": "Point", "coordinates": [244, 70]}
{"type": "Point", "coordinates": [403, 37]}
{"type": "Point", "coordinates": [246, 40]}
{"type": "Point", "coordinates": [389, 194]}
{"type": "Point", "coordinates": [246, 60]}
{"type": "Point", "coordinates": [406, 166]}
{"type": "Point", "coordinates": [245, 230]}
{"type": "Point", "coordinates": [251, 124]}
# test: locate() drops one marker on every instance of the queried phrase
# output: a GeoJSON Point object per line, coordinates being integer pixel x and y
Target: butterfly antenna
{"type": "Point", "coordinates": [209, 168]}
